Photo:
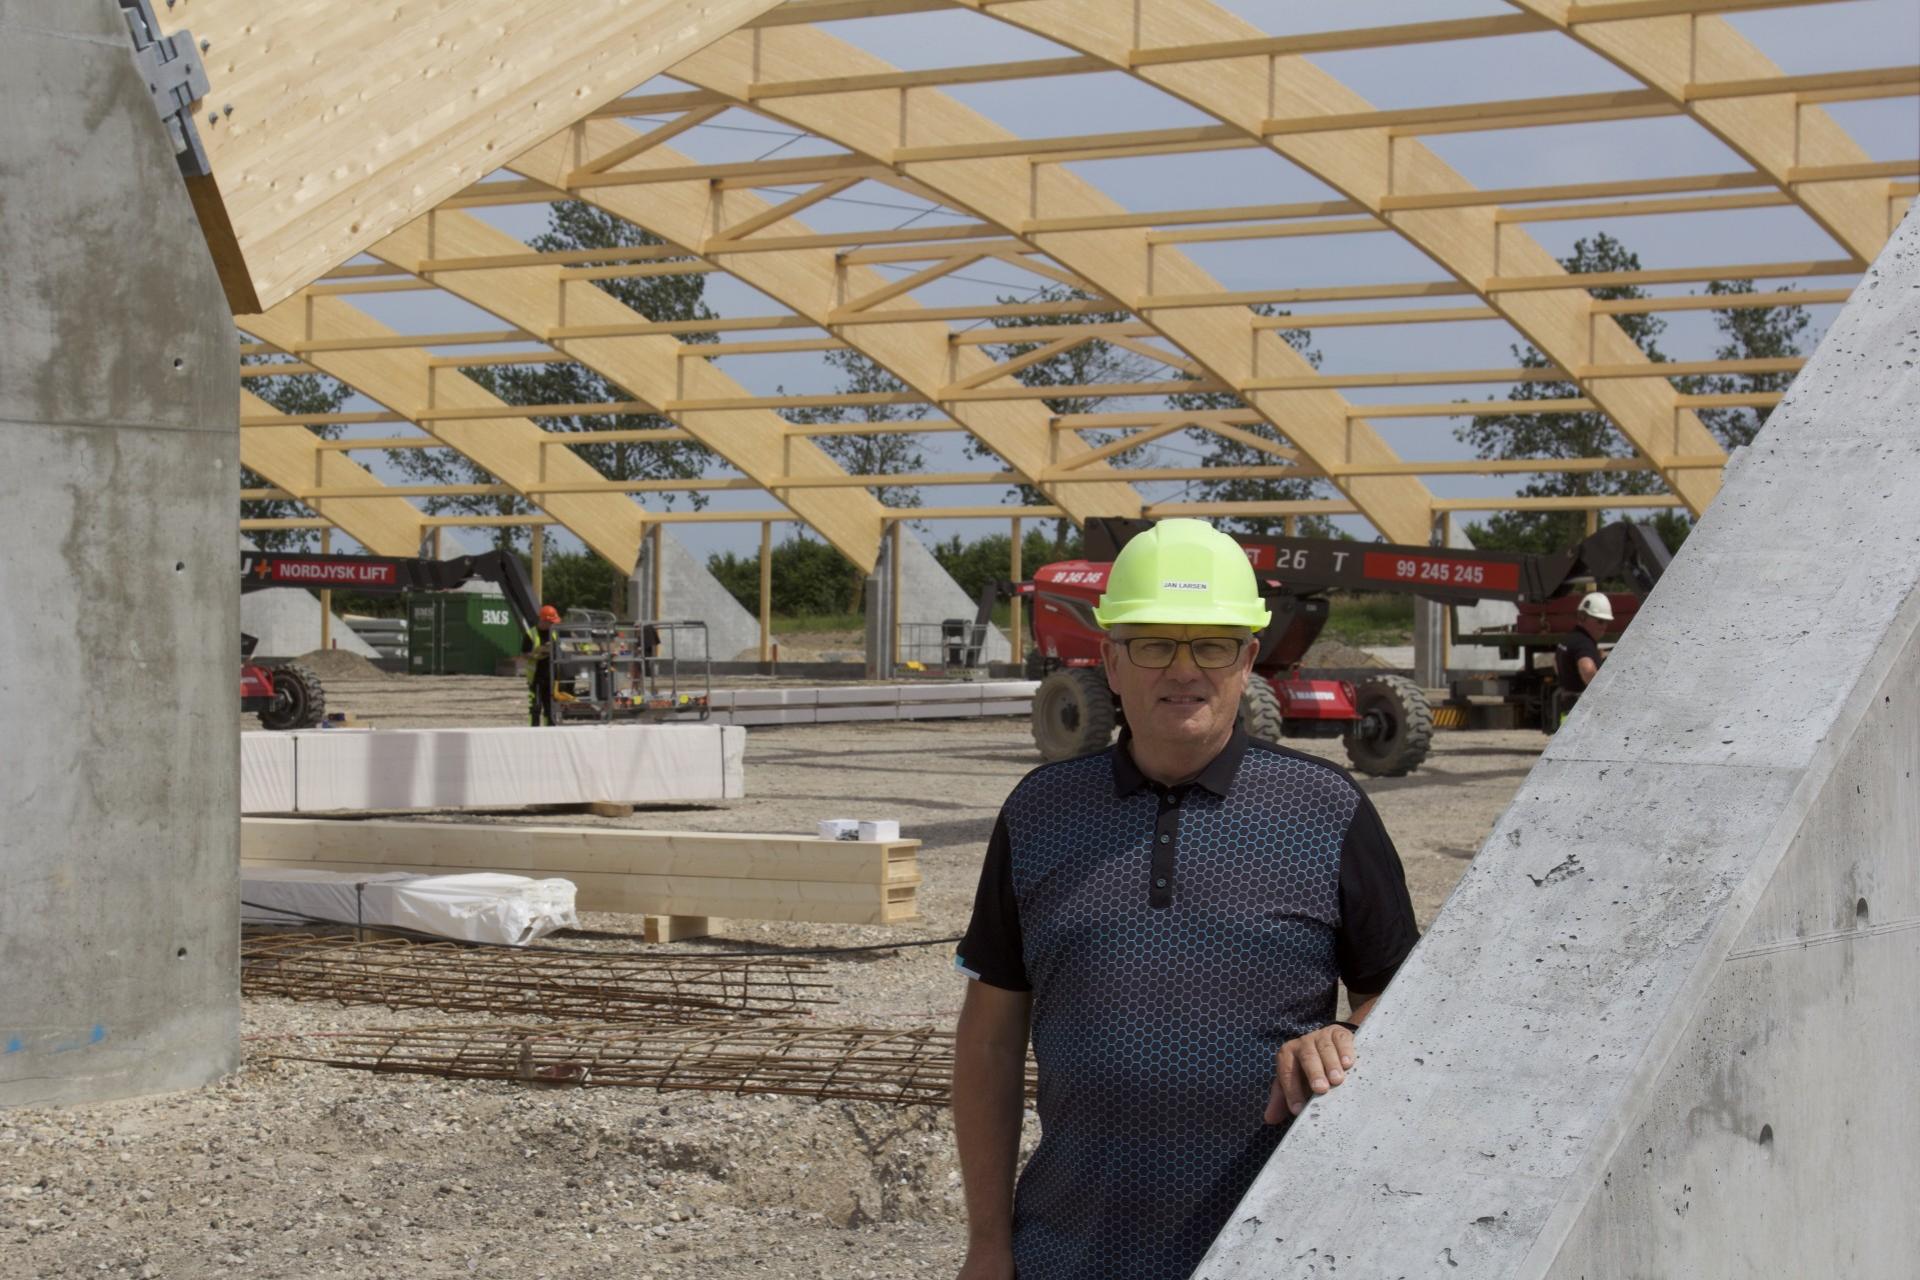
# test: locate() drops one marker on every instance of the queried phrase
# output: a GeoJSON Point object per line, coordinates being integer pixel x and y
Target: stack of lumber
{"type": "Point", "coordinates": [670, 874]}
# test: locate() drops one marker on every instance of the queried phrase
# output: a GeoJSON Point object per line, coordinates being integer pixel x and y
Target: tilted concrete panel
{"type": "Point", "coordinates": [1665, 1025]}
{"type": "Point", "coordinates": [119, 654]}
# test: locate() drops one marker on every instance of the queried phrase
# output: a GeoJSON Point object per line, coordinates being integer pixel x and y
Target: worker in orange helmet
{"type": "Point", "coordinates": [540, 674]}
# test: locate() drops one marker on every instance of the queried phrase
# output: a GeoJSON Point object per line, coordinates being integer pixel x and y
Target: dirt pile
{"type": "Point", "coordinates": [338, 664]}
{"type": "Point", "coordinates": [1333, 655]}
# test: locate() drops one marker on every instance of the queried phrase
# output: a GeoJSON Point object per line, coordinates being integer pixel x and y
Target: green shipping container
{"type": "Point", "coordinates": [460, 633]}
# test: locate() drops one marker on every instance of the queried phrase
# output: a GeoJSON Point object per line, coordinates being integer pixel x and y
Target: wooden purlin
{"type": "Point", "coordinates": [1377, 170]}
{"type": "Point", "coordinates": [1120, 261]}
{"type": "Point", "coordinates": [649, 366]}
{"type": "Point", "coordinates": [809, 280]}
{"type": "Point", "coordinates": [1775, 132]}
{"type": "Point", "coordinates": [291, 458]}
{"type": "Point", "coordinates": [407, 379]}
{"type": "Point", "coordinates": [328, 125]}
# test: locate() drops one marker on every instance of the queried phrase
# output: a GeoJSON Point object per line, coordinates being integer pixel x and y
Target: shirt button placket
{"type": "Point", "coordinates": [1165, 827]}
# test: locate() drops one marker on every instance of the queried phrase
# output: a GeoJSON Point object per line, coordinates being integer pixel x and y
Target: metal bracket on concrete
{"type": "Point", "coordinates": [176, 77]}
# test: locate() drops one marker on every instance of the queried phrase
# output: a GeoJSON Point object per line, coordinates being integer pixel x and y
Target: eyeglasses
{"type": "Point", "coordinates": [1158, 652]}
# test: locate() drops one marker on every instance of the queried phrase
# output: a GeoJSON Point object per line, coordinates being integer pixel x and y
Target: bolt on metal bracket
{"type": "Point", "coordinates": [176, 77]}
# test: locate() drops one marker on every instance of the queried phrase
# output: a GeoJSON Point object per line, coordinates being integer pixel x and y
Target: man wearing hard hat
{"type": "Point", "coordinates": [1170, 921]}
{"type": "Point", "coordinates": [538, 646]}
{"type": "Point", "coordinates": [1577, 658]}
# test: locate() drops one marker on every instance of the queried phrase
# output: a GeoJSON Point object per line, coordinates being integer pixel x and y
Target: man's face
{"type": "Point", "coordinates": [1184, 702]}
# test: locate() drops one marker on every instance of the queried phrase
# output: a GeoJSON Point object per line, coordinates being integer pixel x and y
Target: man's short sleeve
{"type": "Point", "coordinates": [1377, 929]}
{"type": "Point", "coordinates": [992, 950]}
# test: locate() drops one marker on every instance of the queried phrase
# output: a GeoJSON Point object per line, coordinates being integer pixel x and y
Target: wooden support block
{"type": "Point", "coordinates": [677, 928]}
{"type": "Point", "coordinates": [609, 809]}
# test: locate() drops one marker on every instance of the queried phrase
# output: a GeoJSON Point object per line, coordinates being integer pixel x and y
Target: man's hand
{"type": "Point", "coordinates": [987, 1263]}
{"type": "Point", "coordinates": [1314, 1063]}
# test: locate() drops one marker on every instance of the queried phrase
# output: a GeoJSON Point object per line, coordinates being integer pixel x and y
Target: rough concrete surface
{"type": "Point", "coordinates": [1665, 1025]}
{"type": "Point", "coordinates": [687, 590]}
{"type": "Point", "coordinates": [118, 662]}
{"type": "Point", "coordinates": [288, 1172]}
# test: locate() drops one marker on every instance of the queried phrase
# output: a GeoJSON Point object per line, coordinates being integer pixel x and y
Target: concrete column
{"type": "Point", "coordinates": [1429, 622]}
{"type": "Point", "coordinates": [119, 635]}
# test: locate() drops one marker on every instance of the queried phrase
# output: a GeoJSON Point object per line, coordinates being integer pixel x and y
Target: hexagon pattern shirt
{"type": "Point", "coordinates": [1173, 940]}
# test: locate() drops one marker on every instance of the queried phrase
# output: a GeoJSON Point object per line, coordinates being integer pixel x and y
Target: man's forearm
{"type": "Point", "coordinates": [987, 1108]}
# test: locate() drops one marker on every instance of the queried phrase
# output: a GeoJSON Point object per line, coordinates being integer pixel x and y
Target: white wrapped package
{"type": "Point", "coordinates": [267, 773]}
{"type": "Point", "coordinates": [476, 907]}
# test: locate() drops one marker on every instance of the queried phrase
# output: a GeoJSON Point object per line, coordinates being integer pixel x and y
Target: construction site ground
{"type": "Point", "coordinates": [302, 1171]}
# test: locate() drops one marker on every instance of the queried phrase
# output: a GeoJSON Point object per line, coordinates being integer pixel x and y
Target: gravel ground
{"type": "Point", "coordinates": [297, 1171]}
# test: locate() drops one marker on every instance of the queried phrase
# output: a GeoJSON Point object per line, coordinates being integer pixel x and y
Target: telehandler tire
{"type": "Point", "coordinates": [1073, 714]}
{"type": "Point", "coordinates": [299, 701]}
{"type": "Point", "coordinates": [1395, 727]}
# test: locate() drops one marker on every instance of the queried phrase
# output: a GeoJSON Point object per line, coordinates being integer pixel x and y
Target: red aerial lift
{"type": "Point", "coordinates": [289, 695]}
{"type": "Point", "coordinates": [1385, 719]}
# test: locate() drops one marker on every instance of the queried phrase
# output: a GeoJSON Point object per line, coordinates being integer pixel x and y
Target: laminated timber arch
{"type": "Point", "coordinates": [1234, 79]}
{"type": "Point", "coordinates": [334, 337]}
{"type": "Point", "coordinates": [701, 216]}
{"type": "Point", "coordinates": [1041, 206]}
{"type": "Point", "coordinates": [292, 458]}
{"type": "Point", "coordinates": [330, 125]}
{"type": "Point", "coordinates": [1695, 60]}
{"type": "Point", "coordinates": [543, 299]}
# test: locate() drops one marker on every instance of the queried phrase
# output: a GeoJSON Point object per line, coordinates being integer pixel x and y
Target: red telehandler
{"type": "Point", "coordinates": [289, 695]}
{"type": "Point", "coordinates": [1385, 719]}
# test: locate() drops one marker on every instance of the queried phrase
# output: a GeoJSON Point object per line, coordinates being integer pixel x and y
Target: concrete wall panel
{"type": "Point", "coordinates": [119, 632]}
{"type": "Point", "coordinates": [1654, 1032]}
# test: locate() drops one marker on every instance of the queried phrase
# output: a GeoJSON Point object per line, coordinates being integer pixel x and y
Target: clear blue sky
{"type": "Point", "coordinates": [1830, 37]}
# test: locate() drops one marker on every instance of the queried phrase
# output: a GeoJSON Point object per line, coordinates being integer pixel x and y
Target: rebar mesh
{"type": "Point", "coordinates": [567, 987]}
{"type": "Point", "coordinates": [904, 1067]}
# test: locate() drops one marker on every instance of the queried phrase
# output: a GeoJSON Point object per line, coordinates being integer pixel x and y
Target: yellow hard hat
{"type": "Point", "coordinates": [1182, 572]}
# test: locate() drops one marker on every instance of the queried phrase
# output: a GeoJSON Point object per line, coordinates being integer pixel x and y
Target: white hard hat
{"type": "Point", "coordinates": [1596, 605]}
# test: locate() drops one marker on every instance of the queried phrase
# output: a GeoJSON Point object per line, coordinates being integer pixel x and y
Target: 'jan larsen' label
{"type": "Point", "coordinates": [1183, 586]}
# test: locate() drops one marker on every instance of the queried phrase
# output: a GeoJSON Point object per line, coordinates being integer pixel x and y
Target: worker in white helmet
{"type": "Point", "coordinates": [1577, 658]}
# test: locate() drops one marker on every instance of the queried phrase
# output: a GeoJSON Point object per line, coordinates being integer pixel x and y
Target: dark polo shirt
{"type": "Point", "coordinates": [1173, 939]}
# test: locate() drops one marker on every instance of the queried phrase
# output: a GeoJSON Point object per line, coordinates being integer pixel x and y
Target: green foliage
{"type": "Point", "coordinates": [1768, 332]}
{"type": "Point", "coordinates": [1090, 362]}
{"type": "Point", "coordinates": [582, 580]}
{"type": "Point", "coordinates": [809, 577]}
{"type": "Point", "coordinates": [1364, 618]}
{"type": "Point", "coordinates": [299, 393]}
{"type": "Point", "coordinates": [974, 564]}
{"type": "Point", "coordinates": [1224, 451]}
{"type": "Point", "coordinates": [1751, 333]}
{"type": "Point", "coordinates": [865, 455]}
{"type": "Point", "coordinates": [574, 225]}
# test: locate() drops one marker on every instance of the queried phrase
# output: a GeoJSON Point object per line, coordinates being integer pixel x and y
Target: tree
{"type": "Point", "coordinates": [574, 225]}
{"type": "Point", "coordinates": [299, 393]}
{"type": "Point", "coordinates": [810, 578]}
{"type": "Point", "coordinates": [1750, 333]}
{"type": "Point", "coordinates": [1223, 451]}
{"type": "Point", "coordinates": [1563, 436]}
{"type": "Point", "coordinates": [870, 455]}
{"type": "Point", "coordinates": [1093, 361]}
{"type": "Point", "coordinates": [582, 580]}
{"type": "Point", "coordinates": [987, 559]}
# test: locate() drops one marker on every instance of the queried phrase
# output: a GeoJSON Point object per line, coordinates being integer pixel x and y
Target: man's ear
{"type": "Point", "coordinates": [1109, 660]}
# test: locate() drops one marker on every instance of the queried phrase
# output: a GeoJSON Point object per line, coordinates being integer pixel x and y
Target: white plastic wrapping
{"type": "Point", "coordinates": [332, 771]}
{"type": "Point", "coordinates": [475, 907]}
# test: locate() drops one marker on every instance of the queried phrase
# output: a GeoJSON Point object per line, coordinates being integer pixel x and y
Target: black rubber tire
{"type": "Point", "coordinates": [300, 702]}
{"type": "Point", "coordinates": [1402, 704]}
{"type": "Point", "coordinates": [1260, 710]}
{"type": "Point", "coordinates": [1072, 714]}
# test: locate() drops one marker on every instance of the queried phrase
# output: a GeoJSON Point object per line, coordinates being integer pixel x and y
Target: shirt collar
{"type": "Point", "coordinates": [1217, 777]}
